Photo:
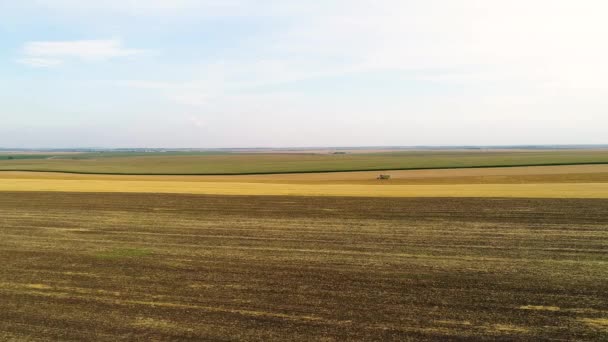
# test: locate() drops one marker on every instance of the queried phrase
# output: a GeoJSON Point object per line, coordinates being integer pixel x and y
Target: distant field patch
{"type": "Point", "coordinates": [21, 157]}
{"type": "Point", "coordinates": [501, 175]}
{"type": "Point", "coordinates": [259, 163]}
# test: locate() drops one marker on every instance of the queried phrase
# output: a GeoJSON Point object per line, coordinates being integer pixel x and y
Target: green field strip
{"type": "Point", "coordinates": [298, 172]}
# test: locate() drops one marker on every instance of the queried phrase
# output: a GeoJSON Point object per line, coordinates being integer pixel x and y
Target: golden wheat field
{"type": "Point", "coordinates": [577, 181]}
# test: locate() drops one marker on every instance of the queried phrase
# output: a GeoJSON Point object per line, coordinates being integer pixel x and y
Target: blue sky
{"type": "Point", "coordinates": [244, 73]}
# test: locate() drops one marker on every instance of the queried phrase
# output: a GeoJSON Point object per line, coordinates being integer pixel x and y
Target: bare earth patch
{"type": "Point", "coordinates": [282, 269]}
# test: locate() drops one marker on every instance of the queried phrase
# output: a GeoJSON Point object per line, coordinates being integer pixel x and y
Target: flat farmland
{"type": "Point", "coordinates": [164, 267]}
{"type": "Point", "coordinates": [498, 175]}
{"type": "Point", "coordinates": [259, 163]}
{"type": "Point", "coordinates": [570, 181]}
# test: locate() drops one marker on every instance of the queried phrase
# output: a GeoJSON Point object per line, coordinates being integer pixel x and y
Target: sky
{"type": "Point", "coordinates": [294, 73]}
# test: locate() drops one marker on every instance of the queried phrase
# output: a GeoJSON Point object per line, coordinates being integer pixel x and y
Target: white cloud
{"type": "Point", "coordinates": [546, 41]}
{"type": "Point", "coordinates": [540, 44]}
{"type": "Point", "coordinates": [54, 53]}
{"type": "Point", "coordinates": [118, 5]}
{"type": "Point", "coordinates": [148, 7]}
{"type": "Point", "coordinates": [40, 62]}
{"type": "Point", "coordinates": [197, 121]}
{"type": "Point", "coordinates": [193, 93]}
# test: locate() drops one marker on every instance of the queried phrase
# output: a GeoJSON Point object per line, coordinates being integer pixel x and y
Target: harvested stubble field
{"type": "Point", "coordinates": [573, 181]}
{"type": "Point", "coordinates": [78, 266]}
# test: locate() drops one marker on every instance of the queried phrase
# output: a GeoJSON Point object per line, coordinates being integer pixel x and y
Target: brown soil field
{"type": "Point", "coordinates": [162, 267]}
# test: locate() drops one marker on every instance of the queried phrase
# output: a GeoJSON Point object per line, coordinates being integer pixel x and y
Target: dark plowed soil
{"type": "Point", "coordinates": [145, 267]}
